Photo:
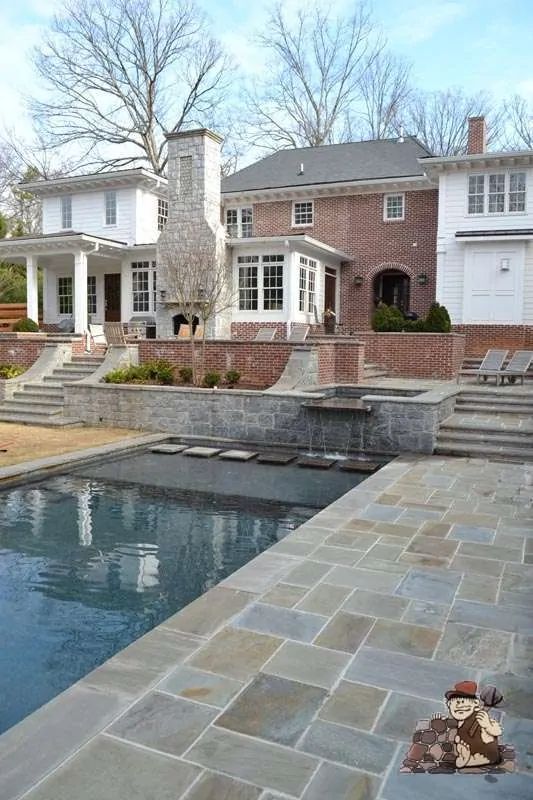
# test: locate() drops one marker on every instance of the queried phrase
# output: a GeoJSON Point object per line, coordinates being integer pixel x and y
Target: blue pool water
{"type": "Point", "coordinates": [88, 564]}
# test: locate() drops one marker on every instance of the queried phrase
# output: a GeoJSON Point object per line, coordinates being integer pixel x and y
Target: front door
{"type": "Point", "coordinates": [112, 297]}
{"type": "Point", "coordinates": [330, 290]}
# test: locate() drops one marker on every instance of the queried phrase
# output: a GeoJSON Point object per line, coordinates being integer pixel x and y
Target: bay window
{"type": "Point", "coordinates": [260, 282]}
{"type": "Point", "coordinates": [307, 297]}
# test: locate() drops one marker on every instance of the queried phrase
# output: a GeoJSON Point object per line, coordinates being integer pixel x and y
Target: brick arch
{"type": "Point", "coordinates": [387, 266]}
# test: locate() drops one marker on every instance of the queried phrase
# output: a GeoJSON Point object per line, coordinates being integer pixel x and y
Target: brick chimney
{"type": "Point", "coordinates": [477, 135]}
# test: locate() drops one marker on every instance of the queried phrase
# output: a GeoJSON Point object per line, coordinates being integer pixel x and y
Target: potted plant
{"type": "Point", "coordinates": [329, 320]}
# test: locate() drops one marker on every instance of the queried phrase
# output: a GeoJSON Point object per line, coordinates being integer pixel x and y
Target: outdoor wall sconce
{"type": "Point", "coordinates": [422, 280]}
{"type": "Point", "coordinates": [505, 264]}
{"type": "Point", "coordinates": [358, 280]}
{"type": "Point", "coordinates": [162, 295]}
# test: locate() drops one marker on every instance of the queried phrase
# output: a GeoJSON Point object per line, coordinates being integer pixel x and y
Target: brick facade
{"type": "Point", "coordinates": [354, 224]}
{"type": "Point", "coordinates": [480, 338]}
{"type": "Point", "coordinates": [20, 350]}
{"type": "Point", "coordinates": [415, 355]}
{"type": "Point", "coordinates": [477, 135]}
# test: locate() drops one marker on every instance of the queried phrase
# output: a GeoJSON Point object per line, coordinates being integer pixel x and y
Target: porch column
{"type": "Point", "coordinates": [80, 292]}
{"type": "Point", "coordinates": [32, 291]}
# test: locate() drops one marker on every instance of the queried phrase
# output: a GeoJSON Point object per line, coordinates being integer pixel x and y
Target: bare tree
{"type": "Point", "coordinates": [385, 91]}
{"type": "Point", "coordinates": [122, 73]}
{"type": "Point", "coordinates": [198, 281]}
{"type": "Point", "coordinates": [440, 119]}
{"type": "Point", "coordinates": [314, 75]}
{"type": "Point", "coordinates": [520, 123]}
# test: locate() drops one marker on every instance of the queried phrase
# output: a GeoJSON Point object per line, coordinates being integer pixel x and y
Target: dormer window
{"type": "Point", "coordinates": [239, 222]}
{"type": "Point", "coordinates": [162, 213]}
{"type": "Point", "coordinates": [66, 212]}
{"type": "Point", "coordinates": [111, 208]}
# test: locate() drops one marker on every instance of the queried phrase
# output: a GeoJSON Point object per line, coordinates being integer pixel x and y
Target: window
{"type": "Point", "coordinates": [302, 214]}
{"type": "Point", "coordinates": [248, 282]}
{"type": "Point", "coordinates": [91, 294]}
{"type": "Point", "coordinates": [517, 192]}
{"type": "Point", "coordinates": [143, 286]}
{"type": "Point", "coordinates": [162, 213]}
{"type": "Point", "coordinates": [111, 208]}
{"type": "Point", "coordinates": [64, 295]}
{"type": "Point", "coordinates": [307, 284]}
{"type": "Point", "coordinates": [505, 193]}
{"type": "Point", "coordinates": [497, 193]}
{"type": "Point", "coordinates": [239, 222]}
{"type": "Point", "coordinates": [394, 206]}
{"type": "Point", "coordinates": [260, 282]}
{"type": "Point", "coordinates": [66, 212]}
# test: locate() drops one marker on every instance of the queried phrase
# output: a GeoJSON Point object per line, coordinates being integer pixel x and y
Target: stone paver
{"type": "Point", "coordinates": [202, 452]}
{"type": "Point", "coordinates": [168, 449]}
{"type": "Point", "coordinates": [303, 674]}
{"type": "Point", "coordinates": [238, 455]}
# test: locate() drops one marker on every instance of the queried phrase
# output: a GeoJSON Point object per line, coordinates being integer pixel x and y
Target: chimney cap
{"type": "Point", "coordinates": [194, 133]}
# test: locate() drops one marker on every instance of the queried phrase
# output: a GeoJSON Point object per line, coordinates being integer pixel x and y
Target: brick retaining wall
{"type": "Point", "coordinates": [415, 355]}
{"type": "Point", "coordinates": [480, 338]}
{"type": "Point", "coordinates": [22, 350]}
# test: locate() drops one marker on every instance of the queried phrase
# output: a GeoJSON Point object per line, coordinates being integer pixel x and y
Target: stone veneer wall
{"type": "Point", "coordinates": [396, 424]}
{"type": "Point", "coordinates": [415, 355]}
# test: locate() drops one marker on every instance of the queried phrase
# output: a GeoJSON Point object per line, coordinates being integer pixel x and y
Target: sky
{"type": "Point", "coordinates": [473, 44]}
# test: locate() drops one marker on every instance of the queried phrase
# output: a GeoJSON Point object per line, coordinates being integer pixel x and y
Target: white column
{"type": "Point", "coordinates": [80, 292]}
{"type": "Point", "coordinates": [32, 291]}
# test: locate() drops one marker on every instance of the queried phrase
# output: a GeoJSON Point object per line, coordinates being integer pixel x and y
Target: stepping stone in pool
{"type": "Point", "coordinates": [352, 465]}
{"type": "Point", "coordinates": [275, 458]}
{"type": "Point", "coordinates": [202, 452]}
{"type": "Point", "coordinates": [168, 449]}
{"type": "Point", "coordinates": [316, 463]}
{"type": "Point", "coordinates": [238, 455]}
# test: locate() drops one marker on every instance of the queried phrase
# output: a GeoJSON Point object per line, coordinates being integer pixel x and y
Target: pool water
{"type": "Point", "coordinates": [88, 564]}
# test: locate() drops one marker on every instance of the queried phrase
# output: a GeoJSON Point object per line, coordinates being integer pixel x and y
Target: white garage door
{"type": "Point", "coordinates": [493, 284]}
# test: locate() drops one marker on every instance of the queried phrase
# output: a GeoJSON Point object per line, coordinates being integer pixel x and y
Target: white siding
{"type": "Point", "coordinates": [88, 209]}
{"type": "Point", "coordinates": [147, 232]}
{"type": "Point", "coordinates": [452, 253]}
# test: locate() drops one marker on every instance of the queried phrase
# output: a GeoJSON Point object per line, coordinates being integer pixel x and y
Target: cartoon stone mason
{"type": "Point", "coordinates": [476, 738]}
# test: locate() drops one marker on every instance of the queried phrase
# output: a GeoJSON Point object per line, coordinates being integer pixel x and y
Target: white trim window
{"type": "Point", "coordinates": [162, 213]}
{"type": "Point", "coordinates": [143, 284]}
{"type": "Point", "coordinates": [64, 295]}
{"type": "Point", "coordinates": [91, 294]}
{"type": "Point", "coordinates": [303, 213]}
{"type": "Point", "coordinates": [307, 296]}
{"type": "Point", "coordinates": [66, 212]}
{"type": "Point", "coordinates": [110, 201]}
{"type": "Point", "coordinates": [394, 207]}
{"type": "Point", "coordinates": [496, 193]}
{"type": "Point", "coordinates": [260, 282]}
{"type": "Point", "coordinates": [239, 222]}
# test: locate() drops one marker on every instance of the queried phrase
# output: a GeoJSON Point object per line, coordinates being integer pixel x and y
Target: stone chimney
{"type": "Point", "coordinates": [477, 135]}
{"type": "Point", "coordinates": [194, 220]}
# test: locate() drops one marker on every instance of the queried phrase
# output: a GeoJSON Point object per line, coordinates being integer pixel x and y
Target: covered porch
{"type": "Point", "coordinates": [85, 278]}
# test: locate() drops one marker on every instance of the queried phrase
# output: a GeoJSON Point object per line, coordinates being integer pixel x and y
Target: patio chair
{"type": "Point", "coordinates": [298, 334]}
{"type": "Point", "coordinates": [97, 334]}
{"type": "Point", "coordinates": [114, 333]}
{"type": "Point", "coordinates": [517, 366]}
{"type": "Point", "coordinates": [265, 335]}
{"type": "Point", "coordinates": [492, 364]}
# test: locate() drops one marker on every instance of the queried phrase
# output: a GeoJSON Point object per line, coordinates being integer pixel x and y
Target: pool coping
{"type": "Point", "coordinates": [35, 748]}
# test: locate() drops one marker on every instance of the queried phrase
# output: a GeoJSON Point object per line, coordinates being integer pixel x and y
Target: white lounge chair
{"type": "Point", "coordinates": [298, 334]}
{"type": "Point", "coordinates": [492, 365]}
{"type": "Point", "coordinates": [517, 366]}
{"type": "Point", "coordinates": [265, 335]}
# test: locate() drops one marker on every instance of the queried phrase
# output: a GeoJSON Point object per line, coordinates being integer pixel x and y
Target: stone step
{"type": "Point", "coordinates": [51, 383]}
{"type": "Point", "coordinates": [69, 366]}
{"type": "Point", "coordinates": [493, 408]}
{"type": "Point", "coordinates": [40, 420]}
{"type": "Point", "coordinates": [40, 392]}
{"type": "Point", "coordinates": [65, 376]}
{"type": "Point", "coordinates": [89, 360]}
{"type": "Point", "coordinates": [31, 407]}
{"type": "Point", "coordinates": [517, 439]}
{"type": "Point", "coordinates": [451, 448]}
{"type": "Point", "coordinates": [507, 398]}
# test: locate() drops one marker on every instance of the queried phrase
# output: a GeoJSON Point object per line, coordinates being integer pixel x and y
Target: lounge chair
{"type": "Point", "coordinates": [97, 334]}
{"type": "Point", "coordinates": [298, 334]}
{"type": "Point", "coordinates": [492, 364]}
{"type": "Point", "coordinates": [265, 335]}
{"type": "Point", "coordinates": [517, 366]}
{"type": "Point", "coordinates": [114, 333]}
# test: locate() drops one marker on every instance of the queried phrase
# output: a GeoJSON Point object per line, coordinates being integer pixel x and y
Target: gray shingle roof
{"type": "Point", "coordinates": [333, 163]}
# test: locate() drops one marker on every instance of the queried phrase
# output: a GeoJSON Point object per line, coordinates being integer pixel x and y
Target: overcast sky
{"type": "Point", "coordinates": [476, 44]}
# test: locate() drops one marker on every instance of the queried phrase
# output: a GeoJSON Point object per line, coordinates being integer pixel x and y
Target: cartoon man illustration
{"type": "Point", "coordinates": [476, 739]}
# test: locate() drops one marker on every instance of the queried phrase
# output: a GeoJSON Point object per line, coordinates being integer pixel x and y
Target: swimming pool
{"type": "Point", "coordinates": [93, 560]}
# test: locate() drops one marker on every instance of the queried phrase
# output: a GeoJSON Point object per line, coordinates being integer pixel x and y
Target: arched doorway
{"type": "Point", "coordinates": [392, 287]}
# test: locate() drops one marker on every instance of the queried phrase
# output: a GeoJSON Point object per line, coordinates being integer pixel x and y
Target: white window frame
{"type": "Point", "coordinates": [244, 226]}
{"type": "Point", "coordinates": [108, 194]}
{"type": "Point", "coordinates": [65, 210]}
{"type": "Point", "coordinates": [92, 296]}
{"type": "Point", "coordinates": [137, 268]}
{"type": "Point", "coordinates": [59, 295]}
{"type": "Point", "coordinates": [307, 284]}
{"type": "Point", "coordinates": [294, 223]}
{"type": "Point", "coordinates": [486, 193]}
{"type": "Point", "coordinates": [162, 213]}
{"type": "Point", "coordinates": [386, 198]}
{"type": "Point", "coordinates": [260, 261]}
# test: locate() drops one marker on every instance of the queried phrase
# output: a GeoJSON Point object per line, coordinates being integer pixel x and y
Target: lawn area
{"type": "Point", "coordinates": [28, 442]}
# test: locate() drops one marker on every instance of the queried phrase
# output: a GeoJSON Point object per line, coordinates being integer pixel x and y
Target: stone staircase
{"type": "Point", "coordinates": [488, 423]}
{"type": "Point", "coordinates": [41, 403]}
